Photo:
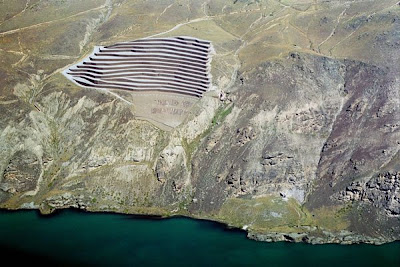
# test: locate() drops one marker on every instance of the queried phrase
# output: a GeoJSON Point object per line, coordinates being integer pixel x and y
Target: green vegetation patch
{"type": "Point", "coordinates": [264, 213]}
{"type": "Point", "coordinates": [221, 114]}
{"type": "Point", "coordinates": [190, 147]}
{"type": "Point", "coordinates": [332, 218]}
{"type": "Point", "coordinates": [275, 214]}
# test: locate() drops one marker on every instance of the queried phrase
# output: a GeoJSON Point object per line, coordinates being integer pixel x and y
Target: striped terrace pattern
{"type": "Point", "coordinates": [169, 65]}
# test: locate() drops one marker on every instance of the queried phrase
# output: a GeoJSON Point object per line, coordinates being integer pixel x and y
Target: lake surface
{"type": "Point", "coordinates": [72, 237]}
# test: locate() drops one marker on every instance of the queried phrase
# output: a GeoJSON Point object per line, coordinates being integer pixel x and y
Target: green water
{"type": "Point", "coordinates": [72, 237]}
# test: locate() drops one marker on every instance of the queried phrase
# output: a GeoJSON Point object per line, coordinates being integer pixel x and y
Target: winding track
{"type": "Point", "coordinates": [171, 65]}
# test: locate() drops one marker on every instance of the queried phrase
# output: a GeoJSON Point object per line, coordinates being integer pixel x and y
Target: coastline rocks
{"type": "Point", "coordinates": [29, 206]}
{"type": "Point", "coordinates": [66, 200]}
{"type": "Point", "coordinates": [342, 237]}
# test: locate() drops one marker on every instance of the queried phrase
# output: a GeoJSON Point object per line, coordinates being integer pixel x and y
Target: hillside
{"type": "Point", "coordinates": [303, 145]}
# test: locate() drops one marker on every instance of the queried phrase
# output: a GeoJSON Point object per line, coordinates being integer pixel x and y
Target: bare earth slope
{"type": "Point", "coordinates": [304, 145]}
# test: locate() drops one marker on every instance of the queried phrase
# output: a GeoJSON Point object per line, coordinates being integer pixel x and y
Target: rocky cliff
{"type": "Point", "coordinates": [299, 139]}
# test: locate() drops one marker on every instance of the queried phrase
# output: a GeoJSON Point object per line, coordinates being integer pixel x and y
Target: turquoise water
{"type": "Point", "coordinates": [73, 237]}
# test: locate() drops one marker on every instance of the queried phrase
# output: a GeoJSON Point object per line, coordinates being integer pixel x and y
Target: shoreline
{"type": "Point", "coordinates": [341, 238]}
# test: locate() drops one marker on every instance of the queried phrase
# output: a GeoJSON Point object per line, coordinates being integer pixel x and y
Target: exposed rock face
{"type": "Point", "coordinates": [343, 237]}
{"type": "Point", "coordinates": [67, 200]}
{"type": "Point", "coordinates": [297, 140]}
{"type": "Point", "coordinates": [382, 192]}
{"type": "Point", "coordinates": [361, 141]}
{"type": "Point", "coordinates": [260, 147]}
{"type": "Point", "coordinates": [21, 173]}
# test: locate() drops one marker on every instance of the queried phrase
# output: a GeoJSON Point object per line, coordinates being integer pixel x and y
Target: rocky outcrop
{"type": "Point", "coordinates": [382, 191]}
{"type": "Point", "coordinates": [359, 143]}
{"type": "Point", "coordinates": [67, 200]}
{"type": "Point", "coordinates": [259, 148]}
{"type": "Point", "coordinates": [245, 134]}
{"type": "Point", "coordinates": [21, 174]}
{"type": "Point", "coordinates": [318, 237]}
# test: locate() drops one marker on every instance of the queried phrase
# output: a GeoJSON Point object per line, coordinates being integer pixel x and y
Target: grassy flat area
{"type": "Point", "coordinates": [275, 214]}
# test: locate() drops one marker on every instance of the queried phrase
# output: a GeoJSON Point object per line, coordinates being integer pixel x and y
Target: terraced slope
{"type": "Point", "coordinates": [174, 65]}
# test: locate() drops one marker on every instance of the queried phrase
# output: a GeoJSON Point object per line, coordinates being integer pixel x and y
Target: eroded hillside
{"type": "Point", "coordinates": [304, 145]}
